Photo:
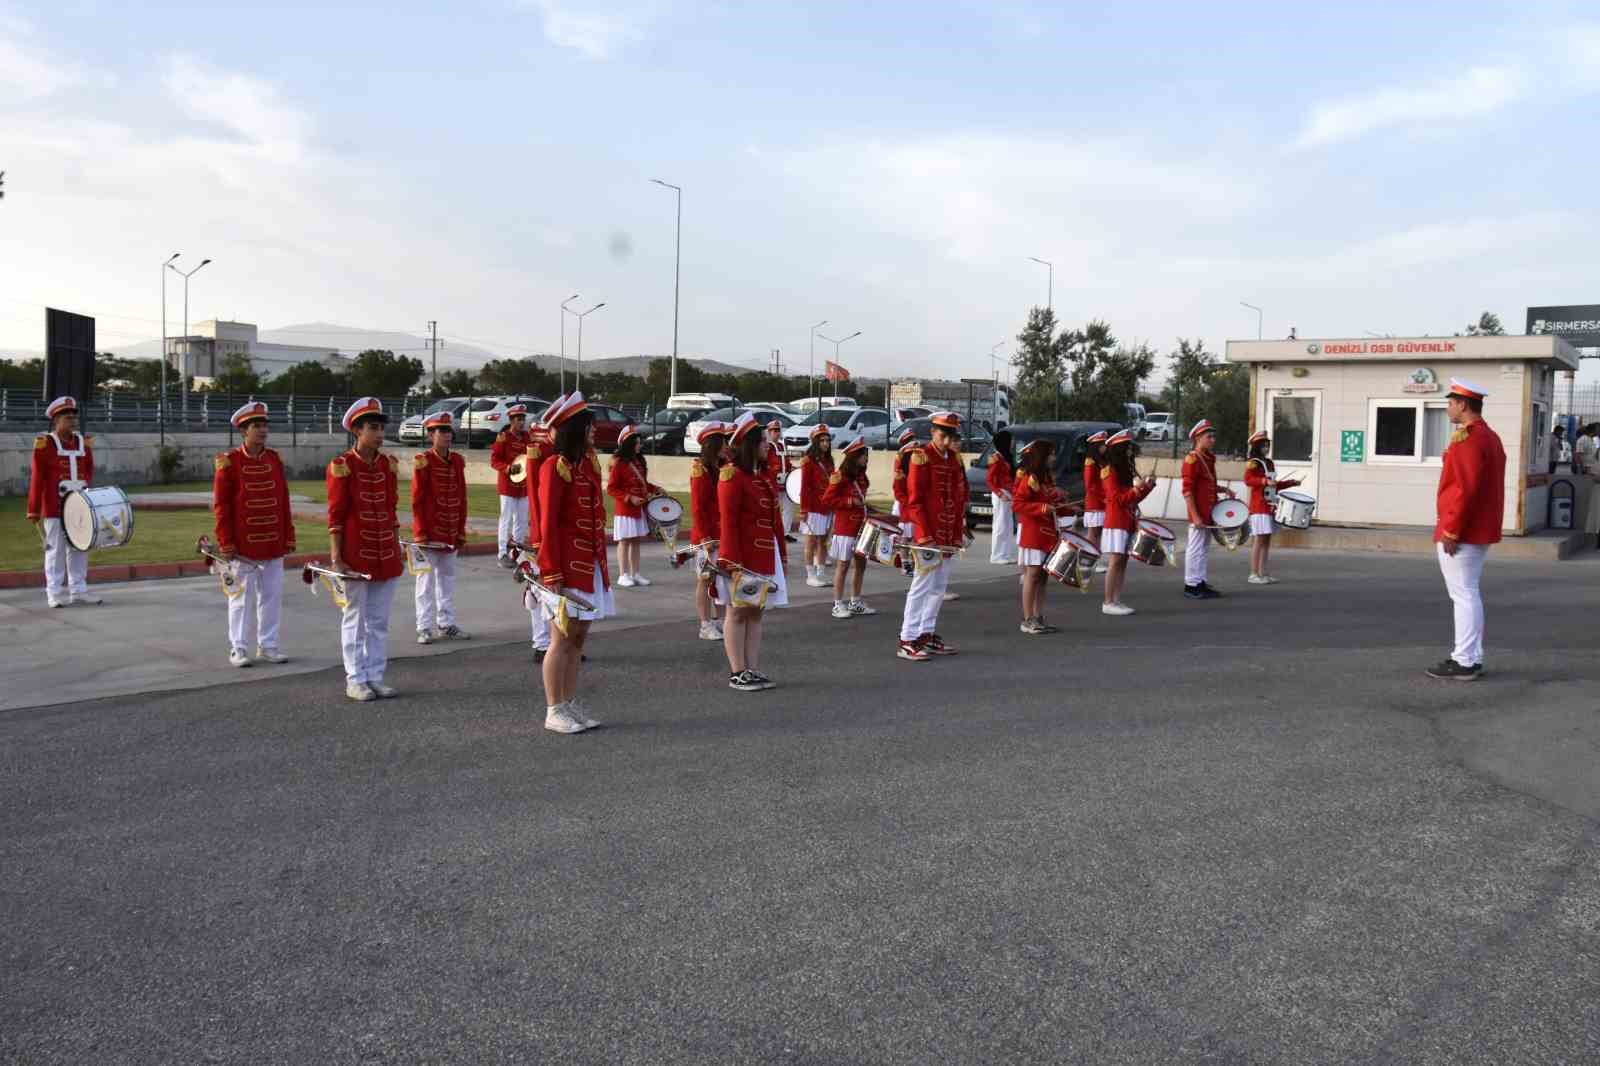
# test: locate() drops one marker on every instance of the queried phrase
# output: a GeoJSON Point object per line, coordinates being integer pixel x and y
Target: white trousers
{"type": "Point", "coordinates": [1462, 572]}
{"type": "Point", "coordinates": [365, 630]}
{"type": "Point", "coordinates": [923, 600]}
{"type": "Point", "coordinates": [513, 521]}
{"type": "Point", "coordinates": [436, 592]}
{"type": "Point", "coordinates": [1002, 535]}
{"type": "Point", "coordinates": [1196, 554]}
{"type": "Point", "coordinates": [261, 595]}
{"type": "Point", "coordinates": [66, 569]}
{"type": "Point", "coordinates": [539, 627]}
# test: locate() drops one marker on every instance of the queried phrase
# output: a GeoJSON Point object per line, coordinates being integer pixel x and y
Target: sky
{"type": "Point", "coordinates": [889, 167]}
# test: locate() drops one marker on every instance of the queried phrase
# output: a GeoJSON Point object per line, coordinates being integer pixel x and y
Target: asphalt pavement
{"type": "Point", "coordinates": [1243, 831]}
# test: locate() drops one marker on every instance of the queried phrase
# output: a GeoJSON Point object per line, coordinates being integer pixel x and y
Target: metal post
{"type": "Point", "coordinates": [813, 365]}
{"type": "Point", "coordinates": [1259, 318]}
{"type": "Point", "coordinates": [1050, 291]}
{"type": "Point", "coordinates": [677, 262]}
{"type": "Point", "coordinates": [561, 367]}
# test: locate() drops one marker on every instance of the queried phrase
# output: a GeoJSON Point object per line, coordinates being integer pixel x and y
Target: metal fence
{"type": "Point", "coordinates": [22, 410]}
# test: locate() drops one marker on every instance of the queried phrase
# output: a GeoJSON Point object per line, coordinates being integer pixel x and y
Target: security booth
{"type": "Point", "coordinates": [1362, 422]}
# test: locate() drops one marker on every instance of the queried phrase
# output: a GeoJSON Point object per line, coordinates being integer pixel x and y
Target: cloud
{"type": "Point", "coordinates": [1480, 91]}
{"type": "Point", "coordinates": [249, 107]}
{"type": "Point", "coordinates": [31, 71]}
{"type": "Point", "coordinates": [596, 34]}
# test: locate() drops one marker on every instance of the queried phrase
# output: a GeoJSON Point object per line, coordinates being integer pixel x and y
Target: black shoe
{"type": "Point", "coordinates": [1210, 593]}
{"type": "Point", "coordinates": [744, 681]}
{"type": "Point", "coordinates": [791, 538]}
{"type": "Point", "coordinates": [1450, 670]}
{"type": "Point", "coordinates": [1194, 592]}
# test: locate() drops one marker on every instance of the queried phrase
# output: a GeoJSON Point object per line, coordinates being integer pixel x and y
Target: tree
{"type": "Point", "coordinates": [517, 377]}
{"type": "Point", "coordinates": [1488, 325]}
{"type": "Point", "coordinates": [309, 378]}
{"type": "Point", "coordinates": [21, 374]}
{"type": "Point", "coordinates": [1040, 370]}
{"type": "Point", "coordinates": [454, 383]}
{"type": "Point", "coordinates": [236, 375]}
{"type": "Point", "coordinates": [379, 372]}
{"type": "Point", "coordinates": [1202, 387]}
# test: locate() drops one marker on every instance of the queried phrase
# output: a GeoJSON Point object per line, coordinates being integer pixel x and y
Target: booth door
{"type": "Point", "coordinates": [1293, 417]}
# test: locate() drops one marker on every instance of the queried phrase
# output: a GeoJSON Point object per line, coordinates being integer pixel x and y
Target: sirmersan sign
{"type": "Point", "coordinates": [1577, 324]}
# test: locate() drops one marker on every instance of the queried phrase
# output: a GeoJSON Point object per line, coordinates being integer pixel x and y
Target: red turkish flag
{"type": "Point", "coordinates": [834, 371]}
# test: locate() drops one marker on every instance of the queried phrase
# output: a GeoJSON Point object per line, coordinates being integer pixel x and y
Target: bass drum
{"type": "Point", "coordinates": [1230, 523]}
{"type": "Point", "coordinates": [791, 486]}
{"type": "Point", "coordinates": [100, 517]}
{"type": "Point", "coordinates": [1295, 509]}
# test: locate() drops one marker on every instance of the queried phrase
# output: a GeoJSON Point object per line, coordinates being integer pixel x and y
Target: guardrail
{"type": "Point", "coordinates": [22, 410]}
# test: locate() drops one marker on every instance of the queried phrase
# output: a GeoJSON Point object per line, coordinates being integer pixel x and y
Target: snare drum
{"type": "Point", "coordinates": [791, 486]}
{"type": "Point", "coordinates": [1154, 543]}
{"type": "Point", "coordinates": [1295, 509]}
{"type": "Point", "coordinates": [100, 517]}
{"type": "Point", "coordinates": [875, 542]}
{"type": "Point", "coordinates": [663, 510]}
{"type": "Point", "coordinates": [1072, 561]}
{"type": "Point", "coordinates": [1230, 523]}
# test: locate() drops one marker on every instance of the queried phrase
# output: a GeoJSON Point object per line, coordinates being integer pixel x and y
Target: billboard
{"type": "Point", "coordinates": [69, 355]}
{"type": "Point", "coordinates": [1577, 324]}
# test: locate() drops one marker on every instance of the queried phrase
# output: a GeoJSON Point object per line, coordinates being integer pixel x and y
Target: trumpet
{"type": "Point", "coordinates": [416, 551]}
{"type": "Point", "coordinates": [333, 580]}
{"type": "Point", "coordinates": [536, 595]}
{"type": "Point", "coordinates": [227, 570]}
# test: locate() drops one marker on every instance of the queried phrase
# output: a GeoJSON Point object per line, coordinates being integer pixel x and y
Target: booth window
{"type": "Point", "coordinates": [1407, 431]}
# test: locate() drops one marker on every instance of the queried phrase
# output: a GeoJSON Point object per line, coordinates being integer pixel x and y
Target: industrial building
{"type": "Point", "coordinates": [204, 353]}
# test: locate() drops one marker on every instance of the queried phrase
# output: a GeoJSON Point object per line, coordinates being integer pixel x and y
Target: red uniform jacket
{"type": "Point", "coordinates": [847, 499]}
{"type": "Point", "coordinates": [51, 466]}
{"type": "Point", "coordinates": [572, 508]}
{"type": "Point", "coordinates": [902, 484]}
{"type": "Point", "coordinates": [1472, 487]}
{"type": "Point", "coordinates": [814, 482]}
{"type": "Point", "coordinates": [1035, 506]}
{"type": "Point", "coordinates": [540, 443]}
{"type": "Point", "coordinates": [628, 480]}
{"type": "Point", "coordinates": [937, 495]}
{"type": "Point", "coordinates": [439, 498]}
{"type": "Point", "coordinates": [1258, 474]}
{"type": "Point", "coordinates": [705, 517]}
{"type": "Point", "coordinates": [777, 463]}
{"type": "Point", "coordinates": [1122, 500]}
{"type": "Point", "coordinates": [999, 477]}
{"type": "Point", "coordinates": [1094, 494]}
{"type": "Point", "coordinates": [507, 446]}
{"type": "Point", "coordinates": [250, 497]}
{"type": "Point", "coordinates": [1200, 483]}
{"type": "Point", "coordinates": [752, 523]}
{"type": "Point", "coordinates": [362, 501]}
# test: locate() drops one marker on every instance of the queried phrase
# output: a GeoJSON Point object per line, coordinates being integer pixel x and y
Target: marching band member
{"type": "Point", "coordinates": [1036, 501]}
{"type": "Point", "coordinates": [254, 531]}
{"type": "Point", "coordinates": [751, 543]}
{"type": "Point", "coordinates": [438, 516]}
{"type": "Point", "coordinates": [508, 444]}
{"type": "Point", "coordinates": [1260, 474]}
{"type": "Point", "coordinates": [629, 485]}
{"type": "Point", "coordinates": [1471, 509]}
{"type": "Point", "coordinates": [1094, 498]}
{"type": "Point", "coordinates": [1123, 489]}
{"type": "Point", "coordinates": [1200, 493]}
{"type": "Point", "coordinates": [846, 499]}
{"type": "Point", "coordinates": [364, 537]}
{"type": "Point", "coordinates": [900, 487]}
{"type": "Point", "coordinates": [778, 469]}
{"type": "Point", "coordinates": [706, 518]}
{"type": "Point", "coordinates": [572, 554]}
{"type": "Point", "coordinates": [540, 447]}
{"type": "Point", "coordinates": [63, 462]}
{"type": "Point", "coordinates": [1002, 530]}
{"type": "Point", "coordinates": [816, 466]}
{"type": "Point", "coordinates": [937, 501]}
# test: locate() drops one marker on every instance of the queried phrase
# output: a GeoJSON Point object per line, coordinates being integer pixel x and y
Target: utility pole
{"type": "Point", "coordinates": [777, 363]}
{"type": "Point", "coordinates": [433, 343]}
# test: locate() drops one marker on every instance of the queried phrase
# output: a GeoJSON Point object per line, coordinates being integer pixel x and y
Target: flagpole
{"type": "Point", "coordinates": [835, 369]}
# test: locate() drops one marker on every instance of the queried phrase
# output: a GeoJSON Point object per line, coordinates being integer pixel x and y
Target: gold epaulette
{"type": "Point", "coordinates": [1458, 436]}
{"type": "Point", "coordinates": [533, 451]}
{"type": "Point", "coordinates": [1033, 483]}
{"type": "Point", "coordinates": [339, 468]}
{"type": "Point", "coordinates": [727, 473]}
{"type": "Point", "coordinates": [835, 478]}
{"type": "Point", "coordinates": [221, 461]}
{"type": "Point", "coordinates": [1105, 473]}
{"type": "Point", "coordinates": [563, 468]}
{"type": "Point", "coordinates": [919, 458]}
{"type": "Point", "coordinates": [697, 468]}
{"type": "Point", "coordinates": [420, 461]}
{"type": "Point", "coordinates": [1187, 459]}
{"type": "Point", "coordinates": [39, 441]}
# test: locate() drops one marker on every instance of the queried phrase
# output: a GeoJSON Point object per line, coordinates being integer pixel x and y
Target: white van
{"type": "Point", "coordinates": [807, 404]}
{"type": "Point", "coordinates": [698, 401]}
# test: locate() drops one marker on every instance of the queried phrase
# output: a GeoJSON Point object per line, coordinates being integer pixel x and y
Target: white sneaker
{"type": "Point", "coordinates": [1115, 608]}
{"type": "Point", "coordinates": [841, 609]}
{"type": "Point", "coordinates": [237, 657]}
{"type": "Point", "coordinates": [454, 632]}
{"type": "Point", "coordinates": [576, 709]}
{"type": "Point", "coordinates": [1101, 568]}
{"type": "Point", "coordinates": [383, 691]}
{"type": "Point", "coordinates": [359, 692]}
{"type": "Point", "coordinates": [424, 637]}
{"type": "Point", "coordinates": [85, 599]}
{"type": "Point", "coordinates": [708, 631]}
{"type": "Point", "coordinates": [55, 603]}
{"type": "Point", "coordinates": [860, 607]}
{"type": "Point", "coordinates": [640, 579]}
{"type": "Point", "coordinates": [717, 628]}
{"type": "Point", "coordinates": [948, 596]}
{"type": "Point", "coordinates": [1256, 579]}
{"type": "Point", "coordinates": [1268, 579]}
{"type": "Point", "coordinates": [814, 579]}
{"type": "Point", "coordinates": [625, 582]}
{"type": "Point", "coordinates": [558, 719]}
{"type": "Point", "coordinates": [271, 655]}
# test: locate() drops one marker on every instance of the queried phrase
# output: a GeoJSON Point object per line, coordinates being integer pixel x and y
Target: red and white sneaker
{"type": "Point", "coordinates": [912, 650]}
{"type": "Point", "coordinates": [934, 643]}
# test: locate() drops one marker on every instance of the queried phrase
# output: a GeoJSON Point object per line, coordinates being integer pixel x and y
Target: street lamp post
{"type": "Point", "coordinates": [561, 367]}
{"type": "Point", "coordinates": [161, 406]}
{"type": "Point", "coordinates": [677, 263]}
{"type": "Point", "coordinates": [1257, 310]}
{"type": "Point", "coordinates": [836, 344]}
{"type": "Point", "coordinates": [994, 360]}
{"type": "Point", "coordinates": [185, 277]}
{"type": "Point", "coordinates": [1050, 290]}
{"type": "Point", "coordinates": [812, 372]}
{"type": "Point", "coordinates": [577, 373]}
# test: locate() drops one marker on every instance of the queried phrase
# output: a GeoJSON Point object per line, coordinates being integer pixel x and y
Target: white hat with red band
{"type": "Point", "coordinates": [1464, 388]}
{"type": "Point", "coordinates": [61, 405]}
{"type": "Point", "coordinates": [1097, 438]}
{"type": "Point", "coordinates": [555, 405]}
{"type": "Point", "coordinates": [440, 420]}
{"type": "Point", "coordinates": [1122, 436]}
{"type": "Point", "coordinates": [947, 420]}
{"type": "Point", "coordinates": [712, 429]}
{"type": "Point", "coordinates": [744, 424]}
{"type": "Point", "coordinates": [629, 430]}
{"type": "Point", "coordinates": [821, 429]}
{"type": "Point", "coordinates": [367, 405]}
{"type": "Point", "coordinates": [249, 412]}
{"type": "Point", "coordinates": [1258, 435]}
{"type": "Point", "coordinates": [857, 445]}
{"type": "Point", "coordinates": [1202, 426]}
{"type": "Point", "coordinates": [572, 404]}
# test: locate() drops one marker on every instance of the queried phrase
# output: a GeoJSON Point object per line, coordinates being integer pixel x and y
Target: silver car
{"type": "Point", "coordinates": [411, 431]}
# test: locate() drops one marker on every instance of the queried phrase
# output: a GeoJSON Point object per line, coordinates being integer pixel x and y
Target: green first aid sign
{"type": "Point", "coordinates": [1352, 445]}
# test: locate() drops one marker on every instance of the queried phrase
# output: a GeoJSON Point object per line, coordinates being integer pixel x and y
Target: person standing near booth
{"type": "Point", "coordinates": [438, 516]}
{"type": "Point", "coordinates": [541, 445]}
{"type": "Point", "coordinates": [1037, 501]}
{"type": "Point", "coordinates": [778, 470]}
{"type": "Point", "coordinates": [846, 500]}
{"type": "Point", "coordinates": [752, 544]}
{"type": "Point", "coordinates": [63, 462]}
{"type": "Point", "coordinates": [1124, 488]}
{"type": "Point", "coordinates": [254, 531]}
{"type": "Point", "coordinates": [364, 538]}
{"type": "Point", "coordinates": [1003, 528]}
{"type": "Point", "coordinates": [1094, 494]}
{"type": "Point", "coordinates": [1471, 509]}
{"type": "Point", "coordinates": [816, 468]}
{"type": "Point", "coordinates": [705, 518]}
{"type": "Point", "coordinates": [1261, 475]}
{"type": "Point", "coordinates": [1200, 493]}
{"type": "Point", "coordinates": [937, 505]}
{"type": "Point", "coordinates": [508, 444]}
{"type": "Point", "coordinates": [630, 487]}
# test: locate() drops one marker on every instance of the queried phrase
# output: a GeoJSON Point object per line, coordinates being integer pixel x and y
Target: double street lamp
{"type": "Point", "coordinates": [561, 367]}
{"type": "Point", "coordinates": [1050, 291]}
{"type": "Point", "coordinates": [813, 369]}
{"type": "Point", "coordinates": [836, 344]}
{"type": "Point", "coordinates": [677, 262]}
{"type": "Point", "coordinates": [185, 275]}
{"type": "Point", "coordinates": [577, 373]}
{"type": "Point", "coordinates": [1257, 310]}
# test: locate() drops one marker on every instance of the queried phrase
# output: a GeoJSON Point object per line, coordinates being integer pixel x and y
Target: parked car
{"type": "Point", "coordinates": [973, 438]}
{"type": "Point", "coordinates": [698, 401]}
{"type": "Point", "coordinates": [845, 424]}
{"type": "Point", "coordinates": [608, 425]}
{"type": "Point", "coordinates": [906, 414]}
{"type": "Point", "coordinates": [1157, 425]}
{"type": "Point", "coordinates": [487, 417]}
{"type": "Point", "coordinates": [764, 412]}
{"type": "Point", "coordinates": [410, 429]}
{"type": "Point", "coordinates": [806, 405]}
{"type": "Point", "coordinates": [1069, 440]}
{"type": "Point", "coordinates": [776, 408]}
{"type": "Point", "coordinates": [663, 432]}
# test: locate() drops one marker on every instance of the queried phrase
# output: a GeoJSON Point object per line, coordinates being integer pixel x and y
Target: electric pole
{"type": "Point", "coordinates": [433, 343]}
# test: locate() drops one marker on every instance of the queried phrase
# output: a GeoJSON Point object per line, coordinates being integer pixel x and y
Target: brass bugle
{"type": "Point", "coordinates": [524, 575]}
{"type": "Point", "coordinates": [316, 567]}
{"type": "Point", "coordinates": [429, 544]}
{"type": "Point", "coordinates": [209, 551]}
